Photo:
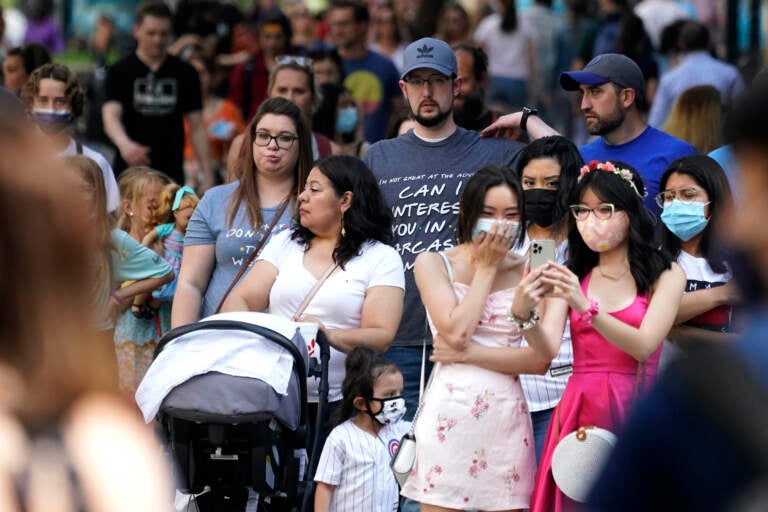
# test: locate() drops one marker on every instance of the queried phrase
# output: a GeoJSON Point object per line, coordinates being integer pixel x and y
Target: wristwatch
{"type": "Point", "coordinates": [524, 325]}
{"type": "Point", "coordinates": [527, 111]}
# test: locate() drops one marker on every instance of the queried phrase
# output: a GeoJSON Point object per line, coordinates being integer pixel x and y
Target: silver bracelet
{"type": "Point", "coordinates": [524, 325]}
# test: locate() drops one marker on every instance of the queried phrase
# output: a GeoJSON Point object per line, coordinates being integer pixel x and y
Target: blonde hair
{"type": "Point", "coordinates": [164, 212]}
{"type": "Point", "coordinates": [696, 117]}
{"type": "Point", "coordinates": [131, 184]}
{"type": "Point", "coordinates": [103, 223]}
{"type": "Point", "coordinates": [46, 321]}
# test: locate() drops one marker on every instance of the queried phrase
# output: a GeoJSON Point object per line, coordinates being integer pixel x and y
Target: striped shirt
{"type": "Point", "coordinates": [357, 464]}
{"type": "Point", "coordinates": [543, 392]}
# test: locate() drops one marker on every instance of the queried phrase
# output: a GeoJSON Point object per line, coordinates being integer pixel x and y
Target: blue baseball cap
{"type": "Point", "coordinates": [429, 53]}
{"type": "Point", "coordinates": [608, 67]}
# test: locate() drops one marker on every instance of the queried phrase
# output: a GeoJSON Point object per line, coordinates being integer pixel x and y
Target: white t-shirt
{"type": "Point", "coordinates": [507, 51]}
{"type": "Point", "coordinates": [357, 463]}
{"type": "Point", "coordinates": [113, 194]}
{"type": "Point", "coordinates": [339, 301]}
{"type": "Point", "coordinates": [700, 276]}
{"type": "Point", "coordinates": [543, 392]}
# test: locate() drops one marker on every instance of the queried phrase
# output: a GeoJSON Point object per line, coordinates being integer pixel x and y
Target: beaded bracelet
{"type": "Point", "coordinates": [594, 308]}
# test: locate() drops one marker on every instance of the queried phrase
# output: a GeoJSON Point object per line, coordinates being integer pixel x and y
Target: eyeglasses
{"type": "Point", "coordinates": [295, 59]}
{"type": "Point", "coordinates": [602, 211]}
{"type": "Point", "coordinates": [434, 80]}
{"type": "Point", "coordinates": [689, 194]}
{"type": "Point", "coordinates": [283, 141]}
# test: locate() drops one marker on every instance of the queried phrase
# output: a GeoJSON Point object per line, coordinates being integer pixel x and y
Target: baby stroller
{"type": "Point", "coordinates": [231, 432]}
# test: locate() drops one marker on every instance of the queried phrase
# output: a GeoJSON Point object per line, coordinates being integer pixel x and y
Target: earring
{"type": "Point", "coordinates": [130, 214]}
{"type": "Point", "coordinates": [343, 231]}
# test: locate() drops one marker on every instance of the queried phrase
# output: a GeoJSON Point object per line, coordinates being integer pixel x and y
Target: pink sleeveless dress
{"type": "Point", "coordinates": [474, 436]}
{"type": "Point", "coordinates": [600, 392]}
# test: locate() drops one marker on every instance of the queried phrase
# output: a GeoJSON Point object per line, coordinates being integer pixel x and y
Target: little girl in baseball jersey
{"type": "Point", "coordinates": [354, 473]}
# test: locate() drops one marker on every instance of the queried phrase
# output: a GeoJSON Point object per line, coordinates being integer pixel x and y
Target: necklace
{"type": "Point", "coordinates": [612, 278]}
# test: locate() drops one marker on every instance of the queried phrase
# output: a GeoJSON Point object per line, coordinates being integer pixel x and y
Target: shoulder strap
{"type": "Point", "coordinates": [78, 147]}
{"type": "Point", "coordinates": [255, 253]}
{"type": "Point", "coordinates": [313, 291]}
{"type": "Point", "coordinates": [447, 266]}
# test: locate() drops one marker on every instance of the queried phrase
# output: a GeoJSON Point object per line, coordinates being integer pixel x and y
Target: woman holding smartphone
{"type": "Point", "coordinates": [622, 294]}
{"type": "Point", "coordinates": [548, 169]}
{"type": "Point", "coordinates": [475, 444]}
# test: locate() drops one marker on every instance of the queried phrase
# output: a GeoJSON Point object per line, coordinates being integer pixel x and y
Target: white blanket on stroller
{"type": "Point", "coordinates": [238, 353]}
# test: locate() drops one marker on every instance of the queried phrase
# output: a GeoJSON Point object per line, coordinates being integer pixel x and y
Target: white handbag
{"type": "Point", "coordinates": [578, 460]}
{"type": "Point", "coordinates": [402, 462]}
{"type": "Point", "coordinates": [580, 456]}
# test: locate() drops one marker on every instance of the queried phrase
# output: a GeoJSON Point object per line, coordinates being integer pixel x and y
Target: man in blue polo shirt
{"type": "Point", "coordinates": [611, 88]}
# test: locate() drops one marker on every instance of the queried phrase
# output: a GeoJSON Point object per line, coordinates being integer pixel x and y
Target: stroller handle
{"type": "Point", "coordinates": [271, 335]}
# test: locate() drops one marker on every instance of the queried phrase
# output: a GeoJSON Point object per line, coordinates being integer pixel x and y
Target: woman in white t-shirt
{"type": "Point", "coordinates": [694, 192]}
{"type": "Point", "coordinates": [511, 56]}
{"type": "Point", "coordinates": [344, 224]}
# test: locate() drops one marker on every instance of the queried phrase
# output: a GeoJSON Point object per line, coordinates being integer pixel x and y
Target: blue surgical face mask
{"type": "Point", "coordinates": [685, 219]}
{"type": "Point", "coordinates": [52, 121]}
{"type": "Point", "coordinates": [347, 120]}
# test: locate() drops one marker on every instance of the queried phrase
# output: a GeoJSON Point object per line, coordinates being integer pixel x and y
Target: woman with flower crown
{"type": "Point", "coordinates": [622, 294]}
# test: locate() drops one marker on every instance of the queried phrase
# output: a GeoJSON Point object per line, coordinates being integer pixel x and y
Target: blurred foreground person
{"type": "Point", "coordinates": [699, 439]}
{"type": "Point", "coordinates": [69, 442]}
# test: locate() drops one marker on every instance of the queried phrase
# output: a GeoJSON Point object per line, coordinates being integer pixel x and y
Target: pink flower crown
{"type": "Point", "coordinates": [624, 174]}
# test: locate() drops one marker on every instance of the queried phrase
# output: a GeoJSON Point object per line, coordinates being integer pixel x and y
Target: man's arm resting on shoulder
{"type": "Point", "coordinates": [535, 127]}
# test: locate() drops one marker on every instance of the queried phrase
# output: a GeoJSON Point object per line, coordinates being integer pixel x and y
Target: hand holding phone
{"type": "Point", "coordinates": [541, 252]}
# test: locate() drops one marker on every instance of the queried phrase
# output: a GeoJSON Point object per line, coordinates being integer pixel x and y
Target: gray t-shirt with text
{"type": "Point", "coordinates": [209, 225]}
{"type": "Point", "coordinates": [422, 182]}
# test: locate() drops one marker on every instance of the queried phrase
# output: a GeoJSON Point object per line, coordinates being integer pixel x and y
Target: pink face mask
{"type": "Point", "coordinates": [604, 235]}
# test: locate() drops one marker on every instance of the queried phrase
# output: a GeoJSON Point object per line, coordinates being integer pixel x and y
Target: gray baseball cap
{"type": "Point", "coordinates": [608, 67]}
{"type": "Point", "coordinates": [429, 53]}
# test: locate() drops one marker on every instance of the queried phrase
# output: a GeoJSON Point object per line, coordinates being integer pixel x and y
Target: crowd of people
{"type": "Point", "coordinates": [390, 174]}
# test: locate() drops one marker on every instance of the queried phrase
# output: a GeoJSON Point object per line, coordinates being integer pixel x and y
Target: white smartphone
{"type": "Point", "coordinates": [541, 252]}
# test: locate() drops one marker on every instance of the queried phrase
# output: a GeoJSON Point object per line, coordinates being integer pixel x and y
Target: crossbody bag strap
{"type": "Point", "coordinates": [255, 253]}
{"type": "Point", "coordinates": [422, 390]}
{"type": "Point", "coordinates": [313, 291]}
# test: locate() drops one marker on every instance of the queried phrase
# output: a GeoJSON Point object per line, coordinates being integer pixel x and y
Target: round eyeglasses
{"type": "Point", "coordinates": [688, 195]}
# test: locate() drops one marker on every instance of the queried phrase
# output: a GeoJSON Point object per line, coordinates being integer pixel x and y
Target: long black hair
{"type": "Point", "coordinates": [646, 260]}
{"type": "Point", "coordinates": [567, 155]}
{"type": "Point", "coordinates": [363, 367]}
{"type": "Point", "coordinates": [368, 217]}
{"type": "Point", "coordinates": [708, 174]}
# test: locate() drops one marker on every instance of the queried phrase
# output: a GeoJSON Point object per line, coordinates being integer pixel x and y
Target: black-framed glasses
{"type": "Point", "coordinates": [283, 141]}
{"type": "Point", "coordinates": [687, 194]}
{"type": "Point", "coordinates": [602, 211]}
{"type": "Point", "coordinates": [301, 60]}
{"type": "Point", "coordinates": [434, 80]}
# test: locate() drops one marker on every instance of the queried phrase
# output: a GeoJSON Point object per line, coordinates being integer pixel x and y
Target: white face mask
{"type": "Point", "coordinates": [486, 225]}
{"type": "Point", "coordinates": [392, 410]}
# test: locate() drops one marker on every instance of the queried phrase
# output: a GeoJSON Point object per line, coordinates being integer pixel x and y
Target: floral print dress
{"type": "Point", "coordinates": [473, 435]}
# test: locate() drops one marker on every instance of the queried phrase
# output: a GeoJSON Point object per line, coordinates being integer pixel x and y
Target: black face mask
{"type": "Point", "coordinates": [540, 206]}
